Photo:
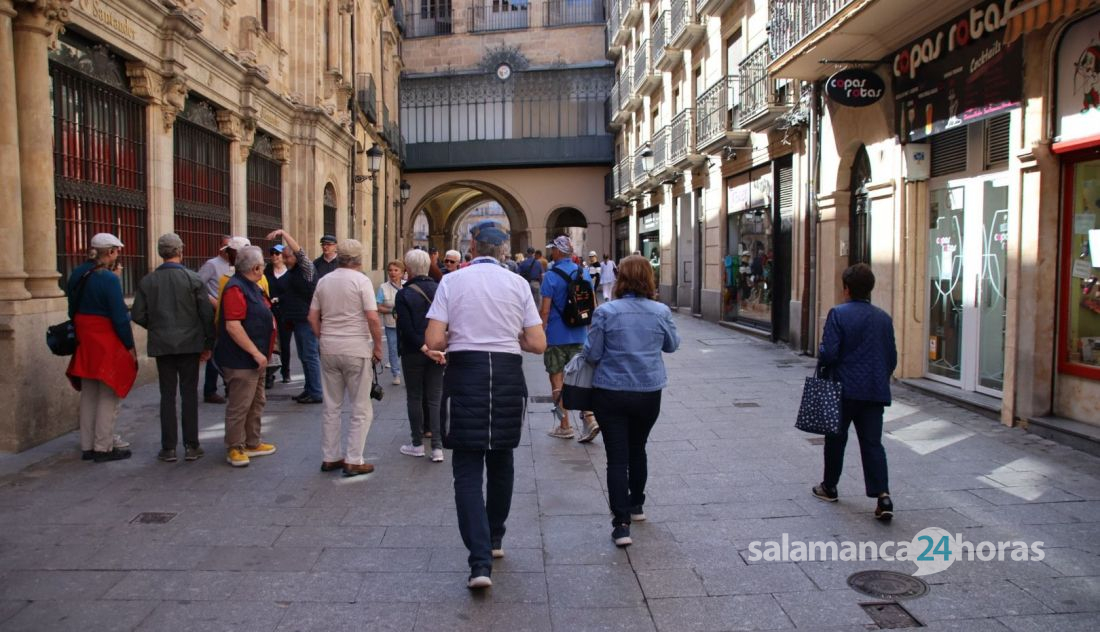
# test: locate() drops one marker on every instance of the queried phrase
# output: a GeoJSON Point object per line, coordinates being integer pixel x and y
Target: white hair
{"type": "Point", "coordinates": [453, 254]}
{"type": "Point", "coordinates": [248, 258]}
{"type": "Point", "coordinates": [417, 262]}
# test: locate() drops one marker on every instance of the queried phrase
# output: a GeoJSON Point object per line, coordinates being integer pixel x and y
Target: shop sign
{"type": "Point", "coordinates": [855, 87]}
{"type": "Point", "coordinates": [750, 192]}
{"type": "Point", "coordinates": [1078, 76]}
{"type": "Point", "coordinates": [960, 73]}
{"type": "Point", "coordinates": [107, 17]}
{"type": "Point", "coordinates": [649, 223]}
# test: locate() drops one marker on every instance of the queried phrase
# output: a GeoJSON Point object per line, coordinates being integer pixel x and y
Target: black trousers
{"type": "Point", "coordinates": [179, 372]}
{"type": "Point", "coordinates": [626, 418]}
{"type": "Point", "coordinates": [481, 518]}
{"type": "Point", "coordinates": [424, 389]}
{"type": "Point", "coordinates": [284, 347]}
{"type": "Point", "coordinates": [867, 418]}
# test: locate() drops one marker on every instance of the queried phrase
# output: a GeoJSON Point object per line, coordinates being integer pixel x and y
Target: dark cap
{"type": "Point", "coordinates": [530, 250]}
{"type": "Point", "coordinates": [488, 232]}
{"type": "Point", "coordinates": [277, 248]}
{"type": "Point", "coordinates": [328, 239]}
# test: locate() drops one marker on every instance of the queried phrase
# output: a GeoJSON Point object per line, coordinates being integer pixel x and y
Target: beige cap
{"type": "Point", "coordinates": [349, 248]}
{"type": "Point", "coordinates": [105, 240]}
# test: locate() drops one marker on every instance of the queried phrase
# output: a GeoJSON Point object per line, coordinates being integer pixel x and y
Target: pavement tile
{"type": "Point", "coordinates": [40, 585]}
{"type": "Point", "coordinates": [719, 614]}
{"type": "Point", "coordinates": [579, 540]}
{"type": "Point", "coordinates": [484, 613]}
{"type": "Point", "coordinates": [670, 582]}
{"type": "Point", "coordinates": [1066, 594]}
{"type": "Point", "coordinates": [9, 608]}
{"type": "Point", "coordinates": [373, 559]}
{"type": "Point", "coordinates": [1038, 513]}
{"type": "Point", "coordinates": [45, 557]}
{"type": "Point", "coordinates": [969, 601]}
{"type": "Point", "coordinates": [330, 536]}
{"type": "Point", "coordinates": [180, 585]}
{"type": "Point", "coordinates": [824, 608]}
{"type": "Point", "coordinates": [415, 537]}
{"type": "Point", "coordinates": [442, 587]}
{"type": "Point", "coordinates": [1085, 622]}
{"type": "Point", "coordinates": [965, 625]}
{"type": "Point", "coordinates": [633, 619]}
{"type": "Point", "coordinates": [227, 534]}
{"type": "Point", "coordinates": [1020, 495]}
{"type": "Point", "coordinates": [297, 586]}
{"type": "Point", "coordinates": [571, 500]}
{"type": "Point", "coordinates": [1069, 561]}
{"type": "Point", "coordinates": [213, 616]}
{"type": "Point", "coordinates": [515, 560]}
{"type": "Point", "coordinates": [754, 579]}
{"type": "Point", "coordinates": [72, 615]}
{"type": "Point", "coordinates": [593, 586]}
{"type": "Point", "coordinates": [258, 558]}
{"type": "Point", "coordinates": [352, 617]}
{"type": "Point", "coordinates": [145, 556]}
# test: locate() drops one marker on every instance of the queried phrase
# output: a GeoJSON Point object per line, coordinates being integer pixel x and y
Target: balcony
{"type": "Point", "coordinates": [498, 17]}
{"type": "Point", "coordinates": [424, 20]}
{"type": "Point", "coordinates": [664, 58]}
{"type": "Point", "coordinates": [621, 103]}
{"type": "Point", "coordinates": [801, 33]}
{"type": "Point", "coordinates": [718, 114]}
{"type": "Point", "coordinates": [763, 98]}
{"type": "Point", "coordinates": [662, 164]}
{"type": "Point", "coordinates": [366, 96]}
{"type": "Point", "coordinates": [632, 99]}
{"type": "Point", "coordinates": [714, 7]}
{"type": "Point", "coordinates": [646, 77]}
{"type": "Point", "coordinates": [631, 10]}
{"type": "Point", "coordinates": [686, 31]}
{"type": "Point", "coordinates": [681, 141]}
{"type": "Point", "coordinates": [620, 34]}
{"type": "Point", "coordinates": [623, 188]}
{"type": "Point", "coordinates": [573, 12]}
{"type": "Point", "coordinates": [639, 177]}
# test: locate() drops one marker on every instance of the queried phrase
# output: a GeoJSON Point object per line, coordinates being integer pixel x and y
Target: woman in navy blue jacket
{"type": "Point", "coordinates": [625, 343]}
{"type": "Point", "coordinates": [858, 350]}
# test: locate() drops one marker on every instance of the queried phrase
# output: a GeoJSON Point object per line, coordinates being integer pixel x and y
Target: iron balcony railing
{"type": "Point", "coordinates": [366, 96]}
{"type": "Point", "coordinates": [659, 36]}
{"type": "Point", "coordinates": [643, 63]}
{"type": "Point", "coordinates": [501, 16]}
{"type": "Point", "coordinates": [625, 176]}
{"type": "Point", "coordinates": [681, 142]}
{"type": "Point", "coordinates": [567, 12]}
{"type": "Point", "coordinates": [759, 91]}
{"type": "Point", "coordinates": [683, 14]}
{"type": "Point", "coordinates": [640, 175]}
{"type": "Point", "coordinates": [717, 111]}
{"type": "Point", "coordinates": [626, 85]}
{"type": "Point", "coordinates": [791, 21]}
{"type": "Point", "coordinates": [660, 149]}
{"type": "Point", "coordinates": [614, 19]}
{"type": "Point", "coordinates": [428, 19]}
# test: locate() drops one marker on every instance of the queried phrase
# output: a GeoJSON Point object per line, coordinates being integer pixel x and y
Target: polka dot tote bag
{"type": "Point", "coordinates": [819, 412]}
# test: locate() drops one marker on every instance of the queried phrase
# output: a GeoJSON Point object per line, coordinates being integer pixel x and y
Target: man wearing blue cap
{"type": "Point", "coordinates": [483, 317]}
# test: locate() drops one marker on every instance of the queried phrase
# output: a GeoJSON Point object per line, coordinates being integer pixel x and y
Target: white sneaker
{"type": "Point", "coordinates": [437, 456]}
{"type": "Point", "coordinates": [396, 381]}
{"type": "Point", "coordinates": [412, 450]}
{"type": "Point", "coordinates": [561, 433]}
{"type": "Point", "coordinates": [498, 553]}
{"type": "Point", "coordinates": [479, 581]}
{"type": "Point", "coordinates": [120, 443]}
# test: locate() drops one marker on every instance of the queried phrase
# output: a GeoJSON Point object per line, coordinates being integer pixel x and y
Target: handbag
{"type": "Point", "coordinates": [576, 391]}
{"type": "Point", "coordinates": [819, 412]}
{"type": "Point", "coordinates": [61, 338]}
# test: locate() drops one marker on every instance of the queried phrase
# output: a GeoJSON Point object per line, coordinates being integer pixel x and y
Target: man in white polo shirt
{"type": "Point", "coordinates": [483, 316]}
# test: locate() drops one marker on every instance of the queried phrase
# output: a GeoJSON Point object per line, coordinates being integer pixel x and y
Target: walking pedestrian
{"type": "Point", "coordinates": [211, 273]}
{"type": "Point", "coordinates": [294, 304]}
{"type": "Point", "coordinates": [277, 281]}
{"type": "Point", "coordinates": [387, 294]}
{"type": "Point", "coordinates": [857, 349]}
{"type": "Point", "coordinates": [327, 261]}
{"type": "Point", "coordinates": [423, 366]}
{"type": "Point", "coordinates": [172, 303]}
{"type": "Point", "coordinates": [625, 344]}
{"type": "Point", "coordinates": [607, 277]}
{"type": "Point", "coordinates": [531, 270]}
{"type": "Point", "coordinates": [563, 342]}
{"type": "Point", "coordinates": [344, 317]}
{"type": "Point", "coordinates": [246, 336]}
{"type": "Point", "coordinates": [593, 266]}
{"type": "Point", "coordinates": [104, 366]}
{"type": "Point", "coordinates": [483, 318]}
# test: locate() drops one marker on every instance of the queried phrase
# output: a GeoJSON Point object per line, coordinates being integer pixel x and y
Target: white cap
{"type": "Point", "coordinates": [237, 243]}
{"type": "Point", "coordinates": [105, 240]}
{"type": "Point", "coordinates": [591, 253]}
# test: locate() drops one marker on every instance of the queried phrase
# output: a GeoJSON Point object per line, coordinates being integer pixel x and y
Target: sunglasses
{"type": "Point", "coordinates": [449, 261]}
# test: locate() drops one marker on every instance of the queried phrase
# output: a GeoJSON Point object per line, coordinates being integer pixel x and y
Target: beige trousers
{"type": "Point", "coordinates": [247, 398]}
{"type": "Point", "coordinates": [340, 375]}
{"type": "Point", "coordinates": [98, 413]}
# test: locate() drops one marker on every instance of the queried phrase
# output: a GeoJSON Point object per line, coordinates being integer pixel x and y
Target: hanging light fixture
{"type": "Point", "coordinates": [406, 191]}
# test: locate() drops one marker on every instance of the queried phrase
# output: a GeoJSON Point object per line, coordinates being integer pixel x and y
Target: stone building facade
{"type": "Point", "coordinates": [203, 117]}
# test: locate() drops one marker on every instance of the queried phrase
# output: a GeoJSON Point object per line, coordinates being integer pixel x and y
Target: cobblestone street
{"type": "Point", "coordinates": [281, 546]}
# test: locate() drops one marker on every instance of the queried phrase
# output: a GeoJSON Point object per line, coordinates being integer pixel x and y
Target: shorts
{"type": "Point", "coordinates": [556, 357]}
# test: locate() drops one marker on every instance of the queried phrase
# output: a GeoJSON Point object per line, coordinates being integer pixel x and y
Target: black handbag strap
{"type": "Point", "coordinates": [824, 372]}
{"type": "Point", "coordinates": [80, 289]}
{"type": "Point", "coordinates": [415, 288]}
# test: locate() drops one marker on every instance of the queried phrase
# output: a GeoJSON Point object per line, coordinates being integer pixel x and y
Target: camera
{"type": "Point", "coordinates": [376, 391]}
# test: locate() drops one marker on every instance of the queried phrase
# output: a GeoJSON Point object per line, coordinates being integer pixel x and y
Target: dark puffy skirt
{"type": "Point", "coordinates": [484, 400]}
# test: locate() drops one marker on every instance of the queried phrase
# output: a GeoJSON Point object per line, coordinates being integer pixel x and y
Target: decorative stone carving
{"type": "Point", "coordinates": [239, 128]}
{"type": "Point", "coordinates": [280, 150]}
{"type": "Point", "coordinates": [170, 93]}
{"type": "Point", "coordinates": [503, 54]}
{"type": "Point", "coordinates": [47, 16]}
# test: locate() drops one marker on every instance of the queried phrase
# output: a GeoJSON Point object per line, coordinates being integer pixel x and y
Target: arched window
{"type": "Point", "coordinates": [330, 210]}
{"type": "Point", "coordinates": [859, 219]}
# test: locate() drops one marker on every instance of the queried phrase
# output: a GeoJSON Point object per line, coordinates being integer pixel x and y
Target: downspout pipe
{"type": "Point", "coordinates": [354, 107]}
{"type": "Point", "coordinates": [809, 305]}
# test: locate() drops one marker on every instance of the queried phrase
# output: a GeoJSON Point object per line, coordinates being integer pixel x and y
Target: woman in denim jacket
{"type": "Point", "coordinates": [625, 343]}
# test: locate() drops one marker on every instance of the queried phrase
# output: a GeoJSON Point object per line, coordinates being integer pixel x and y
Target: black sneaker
{"type": "Point", "coordinates": [309, 399]}
{"type": "Point", "coordinates": [87, 455]}
{"type": "Point", "coordinates": [828, 494]}
{"type": "Point", "coordinates": [480, 578]}
{"type": "Point", "coordinates": [116, 454]}
{"type": "Point", "coordinates": [885, 509]}
{"type": "Point", "coordinates": [193, 454]}
{"type": "Point", "coordinates": [168, 456]}
{"type": "Point", "coordinates": [621, 535]}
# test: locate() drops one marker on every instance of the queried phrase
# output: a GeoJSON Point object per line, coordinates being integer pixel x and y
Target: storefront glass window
{"type": "Point", "coordinates": [748, 268]}
{"type": "Point", "coordinates": [1081, 276]}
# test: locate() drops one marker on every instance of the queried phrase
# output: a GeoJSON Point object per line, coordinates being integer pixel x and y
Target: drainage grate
{"type": "Point", "coordinates": [153, 517]}
{"type": "Point", "coordinates": [746, 405]}
{"type": "Point", "coordinates": [887, 584]}
{"type": "Point", "coordinates": [541, 399]}
{"type": "Point", "coordinates": [890, 616]}
{"type": "Point", "coordinates": [816, 440]}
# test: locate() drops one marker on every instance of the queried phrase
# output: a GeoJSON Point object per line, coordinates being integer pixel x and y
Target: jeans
{"type": "Point", "coordinates": [391, 348]}
{"type": "Point", "coordinates": [481, 519]}
{"type": "Point", "coordinates": [352, 376]}
{"type": "Point", "coordinates": [626, 418]}
{"type": "Point", "coordinates": [98, 413]}
{"type": "Point", "coordinates": [424, 390]}
{"type": "Point", "coordinates": [210, 383]}
{"type": "Point", "coordinates": [310, 356]}
{"type": "Point", "coordinates": [245, 408]}
{"type": "Point", "coordinates": [867, 417]}
{"type": "Point", "coordinates": [179, 371]}
{"type": "Point", "coordinates": [284, 348]}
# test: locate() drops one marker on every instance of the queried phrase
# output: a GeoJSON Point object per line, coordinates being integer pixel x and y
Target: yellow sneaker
{"type": "Point", "coordinates": [236, 457]}
{"type": "Point", "coordinates": [263, 449]}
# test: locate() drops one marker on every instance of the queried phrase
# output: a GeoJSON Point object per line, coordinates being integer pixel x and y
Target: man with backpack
{"type": "Point", "coordinates": [568, 301]}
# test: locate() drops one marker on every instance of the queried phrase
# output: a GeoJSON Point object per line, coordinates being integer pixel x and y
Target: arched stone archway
{"type": "Point", "coordinates": [446, 204]}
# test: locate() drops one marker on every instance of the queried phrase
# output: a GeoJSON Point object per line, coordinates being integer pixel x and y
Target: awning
{"type": "Point", "coordinates": [1028, 16]}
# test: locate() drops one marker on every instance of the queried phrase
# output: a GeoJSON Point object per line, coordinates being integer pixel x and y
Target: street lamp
{"type": "Point", "coordinates": [374, 163]}
{"type": "Point", "coordinates": [647, 159]}
{"type": "Point", "coordinates": [406, 191]}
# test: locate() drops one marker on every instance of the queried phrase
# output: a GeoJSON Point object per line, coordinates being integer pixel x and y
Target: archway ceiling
{"type": "Point", "coordinates": [443, 204]}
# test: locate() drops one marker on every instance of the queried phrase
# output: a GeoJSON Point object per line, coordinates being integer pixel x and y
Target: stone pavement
{"type": "Point", "coordinates": [281, 546]}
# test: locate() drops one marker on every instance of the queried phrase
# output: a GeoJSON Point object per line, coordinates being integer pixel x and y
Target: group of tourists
{"type": "Point", "coordinates": [459, 337]}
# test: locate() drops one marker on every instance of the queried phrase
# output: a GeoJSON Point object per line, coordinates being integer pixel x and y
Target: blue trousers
{"type": "Point", "coordinates": [391, 348]}
{"type": "Point", "coordinates": [867, 418]}
{"type": "Point", "coordinates": [481, 518]}
{"type": "Point", "coordinates": [310, 356]}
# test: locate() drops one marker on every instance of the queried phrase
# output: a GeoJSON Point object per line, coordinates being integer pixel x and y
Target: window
{"type": "Point", "coordinates": [859, 219]}
{"type": "Point", "coordinates": [265, 192]}
{"type": "Point", "coordinates": [201, 182]}
{"type": "Point", "coordinates": [329, 208]}
{"type": "Point", "coordinates": [1079, 327]}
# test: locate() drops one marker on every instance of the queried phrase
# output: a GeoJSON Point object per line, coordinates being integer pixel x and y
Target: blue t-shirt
{"type": "Point", "coordinates": [553, 286]}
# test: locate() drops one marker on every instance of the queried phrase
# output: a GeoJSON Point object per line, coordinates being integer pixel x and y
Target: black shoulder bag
{"type": "Point", "coordinates": [61, 338]}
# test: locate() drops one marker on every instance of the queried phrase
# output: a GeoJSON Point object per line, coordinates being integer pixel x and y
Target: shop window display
{"type": "Point", "coordinates": [1080, 338]}
{"type": "Point", "coordinates": [748, 268]}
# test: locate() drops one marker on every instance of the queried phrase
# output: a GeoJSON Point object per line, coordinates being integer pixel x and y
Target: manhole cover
{"type": "Point", "coordinates": [890, 616]}
{"type": "Point", "coordinates": [746, 405]}
{"type": "Point", "coordinates": [887, 584]}
{"type": "Point", "coordinates": [541, 399]}
{"type": "Point", "coordinates": [153, 517]}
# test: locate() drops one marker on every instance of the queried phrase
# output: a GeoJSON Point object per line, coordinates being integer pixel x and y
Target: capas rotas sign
{"type": "Point", "coordinates": [855, 87]}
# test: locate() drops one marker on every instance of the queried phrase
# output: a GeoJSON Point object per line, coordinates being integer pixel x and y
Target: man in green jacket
{"type": "Point", "coordinates": [172, 303]}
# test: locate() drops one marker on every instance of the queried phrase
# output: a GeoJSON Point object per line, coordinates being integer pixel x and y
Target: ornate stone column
{"type": "Point", "coordinates": [240, 131]}
{"type": "Point", "coordinates": [12, 277]}
{"type": "Point", "coordinates": [281, 151]}
{"type": "Point", "coordinates": [35, 28]}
